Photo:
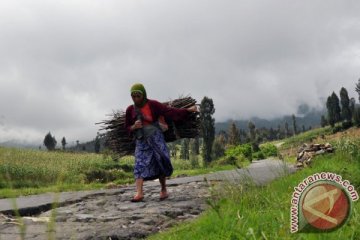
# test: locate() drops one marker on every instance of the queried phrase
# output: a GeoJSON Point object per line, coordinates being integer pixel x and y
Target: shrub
{"type": "Point", "coordinates": [236, 151]}
{"type": "Point", "coordinates": [349, 147]}
{"type": "Point", "coordinates": [258, 155]}
{"type": "Point", "coordinates": [269, 150]}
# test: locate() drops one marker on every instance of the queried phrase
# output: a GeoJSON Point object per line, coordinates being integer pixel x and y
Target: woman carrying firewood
{"type": "Point", "coordinates": [145, 121]}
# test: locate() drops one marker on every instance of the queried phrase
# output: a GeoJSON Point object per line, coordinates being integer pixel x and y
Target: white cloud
{"type": "Point", "coordinates": [65, 64]}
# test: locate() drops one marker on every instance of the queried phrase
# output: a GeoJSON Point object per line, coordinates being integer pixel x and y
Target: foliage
{"type": "Point", "coordinates": [294, 124]}
{"type": "Point", "coordinates": [218, 149]}
{"type": "Point", "coordinates": [345, 105]}
{"type": "Point", "coordinates": [333, 108]}
{"type": "Point", "coordinates": [240, 150]}
{"type": "Point", "coordinates": [97, 144]}
{"type": "Point", "coordinates": [195, 146]}
{"type": "Point", "coordinates": [207, 127]}
{"type": "Point", "coordinates": [357, 116]}
{"type": "Point", "coordinates": [233, 135]}
{"type": "Point", "coordinates": [185, 153]}
{"type": "Point", "coordinates": [269, 150]}
{"type": "Point", "coordinates": [63, 143]}
{"type": "Point", "coordinates": [49, 142]}
{"type": "Point", "coordinates": [323, 121]}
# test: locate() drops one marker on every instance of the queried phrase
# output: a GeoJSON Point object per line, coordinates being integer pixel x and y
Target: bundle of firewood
{"type": "Point", "coordinates": [118, 140]}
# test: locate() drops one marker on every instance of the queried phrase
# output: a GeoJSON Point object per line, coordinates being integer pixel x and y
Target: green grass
{"type": "Point", "coordinates": [247, 212]}
{"type": "Point", "coordinates": [28, 172]}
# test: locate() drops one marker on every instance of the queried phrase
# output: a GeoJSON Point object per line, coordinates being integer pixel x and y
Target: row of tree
{"type": "Point", "coordinates": [344, 110]}
{"type": "Point", "coordinates": [50, 143]}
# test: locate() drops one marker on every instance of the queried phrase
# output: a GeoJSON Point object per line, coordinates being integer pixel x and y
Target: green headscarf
{"type": "Point", "coordinates": [138, 87]}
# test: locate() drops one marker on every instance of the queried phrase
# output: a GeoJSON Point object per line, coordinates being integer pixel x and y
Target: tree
{"type": "Point", "coordinates": [287, 132]}
{"type": "Point", "coordinates": [254, 140]}
{"type": "Point", "coordinates": [173, 149]}
{"type": "Point", "coordinates": [323, 121]}
{"type": "Point", "coordinates": [63, 143]}
{"type": "Point", "coordinates": [345, 105]}
{"type": "Point", "coordinates": [330, 111]}
{"type": "Point", "coordinates": [337, 109]}
{"type": "Point", "coordinates": [184, 153]}
{"type": "Point", "coordinates": [207, 127]}
{"type": "Point", "coordinates": [252, 133]}
{"type": "Point", "coordinates": [219, 146]}
{"type": "Point", "coordinates": [352, 106]}
{"type": "Point", "coordinates": [357, 88]}
{"type": "Point", "coordinates": [333, 108]}
{"type": "Point", "coordinates": [234, 135]}
{"type": "Point", "coordinates": [50, 142]}
{"type": "Point", "coordinates": [195, 146]}
{"type": "Point", "coordinates": [97, 144]}
{"type": "Point", "coordinates": [357, 116]}
{"type": "Point", "coordinates": [294, 124]}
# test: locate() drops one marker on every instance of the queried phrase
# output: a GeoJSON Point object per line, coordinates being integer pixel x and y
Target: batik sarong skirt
{"type": "Point", "coordinates": [152, 158]}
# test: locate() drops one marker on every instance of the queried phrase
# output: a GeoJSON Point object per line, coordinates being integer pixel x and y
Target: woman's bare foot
{"type": "Point", "coordinates": [163, 195]}
{"type": "Point", "coordinates": [138, 198]}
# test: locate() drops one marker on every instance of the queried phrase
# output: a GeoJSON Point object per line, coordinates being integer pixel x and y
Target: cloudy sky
{"type": "Point", "coordinates": [65, 64]}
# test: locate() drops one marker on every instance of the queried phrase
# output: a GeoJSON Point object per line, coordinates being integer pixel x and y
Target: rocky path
{"type": "Point", "coordinates": [109, 214]}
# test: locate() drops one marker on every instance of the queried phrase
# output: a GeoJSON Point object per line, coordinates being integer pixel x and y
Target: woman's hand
{"type": "Point", "coordinates": [192, 109]}
{"type": "Point", "coordinates": [137, 125]}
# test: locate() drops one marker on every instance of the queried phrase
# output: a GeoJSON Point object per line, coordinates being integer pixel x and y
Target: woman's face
{"type": "Point", "coordinates": [137, 98]}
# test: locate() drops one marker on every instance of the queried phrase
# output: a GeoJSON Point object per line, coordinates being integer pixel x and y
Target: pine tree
{"type": "Point", "coordinates": [323, 121]}
{"type": "Point", "coordinates": [357, 88]}
{"type": "Point", "coordinates": [50, 142]}
{"type": "Point", "coordinates": [63, 143]}
{"type": "Point", "coordinates": [195, 146]}
{"type": "Point", "coordinates": [337, 109]}
{"type": "Point", "coordinates": [219, 146]}
{"type": "Point", "coordinates": [334, 111]}
{"type": "Point", "coordinates": [254, 138]}
{"type": "Point", "coordinates": [184, 153]}
{"type": "Point", "coordinates": [287, 132]}
{"type": "Point", "coordinates": [330, 111]}
{"type": "Point", "coordinates": [234, 135]}
{"type": "Point", "coordinates": [294, 124]}
{"type": "Point", "coordinates": [173, 149]}
{"type": "Point", "coordinates": [352, 106]}
{"type": "Point", "coordinates": [97, 144]}
{"type": "Point", "coordinates": [357, 116]}
{"type": "Point", "coordinates": [252, 132]}
{"type": "Point", "coordinates": [345, 105]}
{"type": "Point", "coordinates": [207, 109]}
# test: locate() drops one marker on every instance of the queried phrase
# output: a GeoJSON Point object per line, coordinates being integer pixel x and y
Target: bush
{"type": "Point", "coordinates": [337, 128]}
{"type": "Point", "coordinates": [230, 160]}
{"type": "Point", "coordinates": [236, 151]}
{"type": "Point", "coordinates": [349, 147]}
{"type": "Point", "coordinates": [346, 125]}
{"type": "Point", "coordinates": [258, 155]}
{"type": "Point", "coordinates": [269, 150]}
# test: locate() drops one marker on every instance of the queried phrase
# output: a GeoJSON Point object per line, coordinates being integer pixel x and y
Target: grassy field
{"type": "Point", "coordinates": [248, 212]}
{"type": "Point", "coordinates": [26, 172]}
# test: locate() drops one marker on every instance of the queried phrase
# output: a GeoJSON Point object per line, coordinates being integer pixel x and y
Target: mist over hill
{"type": "Point", "coordinates": [305, 116]}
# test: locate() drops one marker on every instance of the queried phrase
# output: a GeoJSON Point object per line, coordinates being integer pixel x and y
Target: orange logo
{"type": "Point", "coordinates": [325, 206]}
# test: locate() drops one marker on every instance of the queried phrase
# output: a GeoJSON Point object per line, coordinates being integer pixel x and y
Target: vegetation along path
{"type": "Point", "coordinates": [109, 214]}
